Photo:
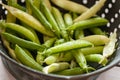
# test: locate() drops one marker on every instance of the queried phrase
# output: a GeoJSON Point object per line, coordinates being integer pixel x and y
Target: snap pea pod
{"type": "Point", "coordinates": [48, 4]}
{"type": "Point", "coordinates": [28, 53]}
{"type": "Point", "coordinates": [97, 39]}
{"type": "Point", "coordinates": [59, 19]}
{"type": "Point", "coordinates": [33, 31]}
{"type": "Point", "coordinates": [80, 58]}
{"type": "Point", "coordinates": [79, 34]}
{"type": "Point", "coordinates": [73, 71]}
{"type": "Point", "coordinates": [10, 17]}
{"type": "Point", "coordinates": [89, 23]}
{"type": "Point", "coordinates": [37, 3]}
{"type": "Point", "coordinates": [28, 8]}
{"type": "Point", "coordinates": [19, 6]}
{"type": "Point", "coordinates": [56, 67]}
{"type": "Point", "coordinates": [20, 29]}
{"type": "Point", "coordinates": [51, 19]}
{"type": "Point", "coordinates": [97, 31]}
{"type": "Point", "coordinates": [66, 4]}
{"type": "Point", "coordinates": [28, 19]}
{"type": "Point", "coordinates": [68, 19]}
{"type": "Point", "coordinates": [26, 60]}
{"type": "Point", "coordinates": [96, 58]}
{"type": "Point", "coordinates": [21, 42]}
{"type": "Point", "coordinates": [49, 43]}
{"type": "Point", "coordinates": [92, 50]}
{"type": "Point", "coordinates": [91, 12]}
{"type": "Point", "coordinates": [39, 15]}
{"type": "Point", "coordinates": [40, 58]}
{"type": "Point", "coordinates": [76, 44]}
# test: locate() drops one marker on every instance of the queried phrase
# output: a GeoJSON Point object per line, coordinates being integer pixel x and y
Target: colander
{"type": "Point", "coordinates": [111, 11]}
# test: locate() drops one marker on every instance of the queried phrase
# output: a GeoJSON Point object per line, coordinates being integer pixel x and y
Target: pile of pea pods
{"type": "Point", "coordinates": [64, 41]}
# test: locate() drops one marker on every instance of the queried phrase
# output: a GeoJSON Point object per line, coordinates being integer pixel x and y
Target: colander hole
{"type": "Point", "coordinates": [3, 7]}
{"type": "Point", "coordinates": [113, 1]}
{"type": "Point", "coordinates": [85, 1]}
{"type": "Point", "coordinates": [22, 1]}
{"type": "Point", "coordinates": [109, 5]}
{"type": "Point", "coordinates": [6, 12]}
{"type": "Point", "coordinates": [112, 20]}
{"type": "Point", "coordinates": [103, 15]}
{"type": "Point", "coordinates": [116, 15]}
{"type": "Point", "coordinates": [119, 26]}
{"type": "Point", "coordinates": [106, 10]}
{"type": "Point", "coordinates": [119, 11]}
{"type": "Point", "coordinates": [108, 24]}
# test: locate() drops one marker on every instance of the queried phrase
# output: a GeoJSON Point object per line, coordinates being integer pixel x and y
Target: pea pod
{"type": "Point", "coordinates": [68, 19]}
{"type": "Point", "coordinates": [28, 19]}
{"type": "Point", "coordinates": [92, 50]}
{"type": "Point", "coordinates": [89, 23]}
{"type": "Point", "coordinates": [96, 58]}
{"type": "Point", "coordinates": [58, 17]}
{"type": "Point", "coordinates": [21, 42]}
{"type": "Point", "coordinates": [39, 15]}
{"type": "Point", "coordinates": [26, 60]}
{"type": "Point", "coordinates": [22, 30]}
{"type": "Point", "coordinates": [71, 45]}
{"type": "Point", "coordinates": [51, 19]}
{"type": "Point", "coordinates": [97, 39]}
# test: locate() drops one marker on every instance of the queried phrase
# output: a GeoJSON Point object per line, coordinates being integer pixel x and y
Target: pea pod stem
{"type": "Point", "coordinates": [28, 19]}
{"type": "Point", "coordinates": [89, 23]}
{"type": "Point", "coordinates": [26, 60]}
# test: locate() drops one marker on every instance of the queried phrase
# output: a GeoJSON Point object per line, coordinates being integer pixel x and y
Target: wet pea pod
{"type": "Point", "coordinates": [89, 23]}
{"type": "Point", "coordinates": [26, 60]}
{"type": "Point", "coordinates": [76, 44]}
{"type": "Point", "coordinates": [22, 42]}
{"type": "Point", "coordinates": [29, 20]}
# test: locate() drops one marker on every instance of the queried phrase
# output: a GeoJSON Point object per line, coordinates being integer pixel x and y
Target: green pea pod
{"type": "Point", "coordinates": [40, 58]}
{"type": "Point", "coordinates": [22, 30]}
{"type": "Point", "coordinates": [89, 23]}
{"type": "Point", "coordinates": [59, 19]}
{"type": "Point", "coordinates": [80, 58]}
{"type": "Point", "coordinates": [56, 67]}
{"type": "Point", "coordinates": [79, 34]}
{"type": "Point", "coordinates": [97, 39]}
{"type": "Point", "coordinates": [26, 60]}
{"type": "Point", "coordinates": [97, 31]}
{"type": "Point", "coordinates": [71, 45]}
{"type": "Point", "coordinates": [28, 19]}
{"type": "Point", "coordinates": [21, 42]}
{"type": "Point", "coordinates": [37, 3]}
{"type": "Point", "coordinates": [92, 50]}
{"type": "Point", "coordinates": [68, 19]}
{"type": "Point", "coordinates": [49, 42]}
{"type": "Point", "coordinates": [96, 58]}
{"type": "Point", "coordinates": [73, 71]}
{"type": "Point", "coordinates": [51, 19]}
{"type": "Point", "coordinates": [39, 15]}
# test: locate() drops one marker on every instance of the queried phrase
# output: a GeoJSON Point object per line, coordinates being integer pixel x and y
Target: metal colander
{"type": "Point", "coordinates": [111, 11]}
